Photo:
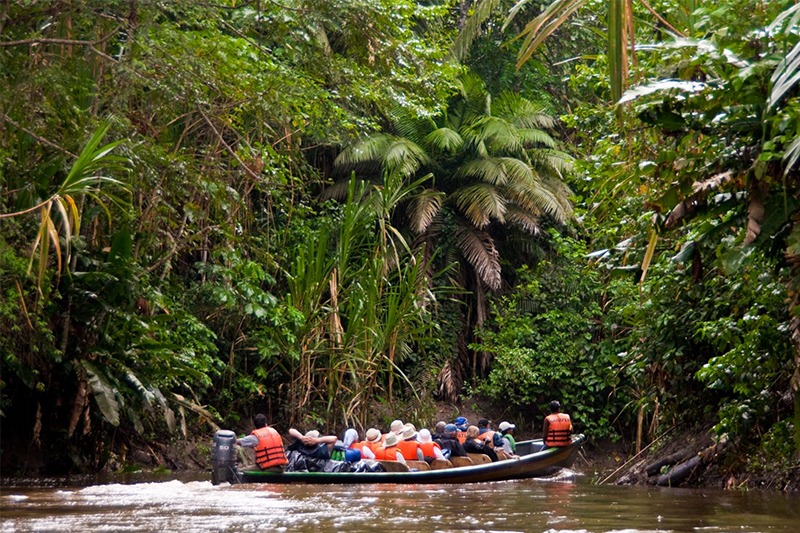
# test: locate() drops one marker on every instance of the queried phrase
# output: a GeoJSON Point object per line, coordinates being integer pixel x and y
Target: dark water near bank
{"type": "Point", "coordinates": [569, 504]}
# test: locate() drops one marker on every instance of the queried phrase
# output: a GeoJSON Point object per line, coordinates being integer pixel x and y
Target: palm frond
{"type": "Point", "coordinates": [405, 157]}
{"type": "Point", "coordinates": [366, 150]}
{"type": "Point", "coordinates": [480, 203]}
{"type": "Point", "coordinates": [550, 162]}
{"type": "Point", "coordinates": [532, 136]}
{"type": "Point", "coordinates": [538, 198]}
{"type": "Point", "coordinates": [475, 100]}
{"type": "Point", "coordinates": [520, 111]}
{"type": "Point", "coordinates": [450, 382]}
{"type": "Point", "coordinates": [408, 124]}
{"type": "Point", "coordinates": [517, 170]}
{"type": "Point", "coordinates": [425, 208]}
{"type": "Point", "coordinates": [540, 28]}
{"type": "Point", "coordinates": [561, 193]}
{"type": "Point", "coordinates": [485, 169]}
{"type": "Point", "coordinates": [523, 219]}
{"type": "Point", "coordinates": [479, 250]}
{"type": "Point", "coordinates": [495, 134]}
{"type": "Point", "coordinates": [444, 140]}
{"type": "Point", "coordinates": [337, 190]}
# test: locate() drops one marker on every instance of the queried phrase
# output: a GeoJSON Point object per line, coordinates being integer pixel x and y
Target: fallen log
{"type": "Point", "coordinates": [684, 470]}
{"type": "Point", "coordinates": [680, 473]}
{"type": "Point", "coordinates": [672, 459]}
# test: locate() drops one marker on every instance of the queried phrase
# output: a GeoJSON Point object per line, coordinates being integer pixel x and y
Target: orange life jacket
{"type": "Point", "coordinates": [559, 430]}
{"type": "Point", "coordinates": [358, 446]}
{"type": "Point", "coordinates": [387, 454]}
{"type": "Point", "coordinates": [269, 450]}
{"type": "Point", "coordinates": [461, 436]}
{"type": "Point", "coordinates": [427, 448]}
{"type": "Point", "coordinates": [372, 446]}
{"type": "Point", "coordinates": [487, 438]}
{"type": "Point", "coordinates": [409, 449]}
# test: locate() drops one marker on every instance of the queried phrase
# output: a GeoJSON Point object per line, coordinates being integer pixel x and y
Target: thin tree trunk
{"type": "Point", "coordinates": [463, 11]}
{"type": "Point", "coordinates": [639, 424]}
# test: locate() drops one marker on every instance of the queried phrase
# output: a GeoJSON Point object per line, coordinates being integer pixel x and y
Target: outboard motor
{"type": "Point", "coordinates": [223, 457]}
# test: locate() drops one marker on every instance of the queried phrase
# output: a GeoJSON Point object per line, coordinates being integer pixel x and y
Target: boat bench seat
{"type": "Point", "coordinates": [461, 461]}
{"type": "Point", "coordinates": [479, 458]}
{"type": "Point", "coordinates": [419, 465]}
{"type": "Point", "coordinates": [440, 464]}
{"type": "Point", "coordinates": [393, 466]}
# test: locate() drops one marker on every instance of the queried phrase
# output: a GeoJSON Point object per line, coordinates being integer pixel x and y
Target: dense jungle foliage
{"type": "Point", "coordinates": [340, 212]}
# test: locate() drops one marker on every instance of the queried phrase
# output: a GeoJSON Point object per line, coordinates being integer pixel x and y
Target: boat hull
{"type": "Point", "coordinates": [536, 464]}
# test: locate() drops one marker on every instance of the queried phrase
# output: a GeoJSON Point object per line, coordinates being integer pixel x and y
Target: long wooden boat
{"type": "Point", "coordinates": [535, 463]}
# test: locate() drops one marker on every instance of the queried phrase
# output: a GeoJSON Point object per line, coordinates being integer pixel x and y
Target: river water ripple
{"type": "Point", "coordinates": [565, 505]}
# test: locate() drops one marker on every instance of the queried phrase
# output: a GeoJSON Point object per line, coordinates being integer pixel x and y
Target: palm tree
{"type": "Point", "coordinates": [489, 171]}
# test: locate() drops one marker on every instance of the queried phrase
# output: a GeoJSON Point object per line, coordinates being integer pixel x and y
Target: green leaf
{"type": "Point", "coordinates": [104, 394]}
{"type": "Point", "coordinates": [663, 85]}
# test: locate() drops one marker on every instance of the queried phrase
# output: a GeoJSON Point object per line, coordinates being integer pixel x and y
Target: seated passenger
{"type": "Point", "coordinates": [389, 451]}
{"type": "Point", "coordinates": [312, 444]}
{"type": "Point", "coordinates": [396, 428]}
{"type": "Point", "coordinates": [462, 424]}
{"type": "Point", "coordinates": [474, 445]}
{"type": "Point", "coordinates": [430, 450]}
{"type": "Point", "coordinates": [373, 440]}
{"type": "Point", "coordinates": [449, 443]}
{"type": "Point", "coordinates": [438, 429]}
{"type": "Point", "coordinates": [509, 444]}
{"type": "Point", "coordinates": [490, 437]}
{"type": "Point", "coordinates": [409, 446]}
{"type": "Point", "coordinates": [355, 450]}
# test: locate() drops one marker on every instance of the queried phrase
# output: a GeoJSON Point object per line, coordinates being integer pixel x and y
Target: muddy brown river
{"type": "Point", "coordinates": [567, 504]}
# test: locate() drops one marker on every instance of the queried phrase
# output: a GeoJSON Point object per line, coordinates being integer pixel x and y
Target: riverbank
{"type": "Point", "coordinates": [692, 458]}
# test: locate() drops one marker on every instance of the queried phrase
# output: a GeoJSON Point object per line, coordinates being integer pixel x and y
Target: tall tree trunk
{"type": "Point", "coordinates": [794, 329]}
{"type": "Point", "coordinates": [463, 11]}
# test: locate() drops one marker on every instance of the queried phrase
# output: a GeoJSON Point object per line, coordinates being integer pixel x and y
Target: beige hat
{"type": "Point", "coordinates": [314, 434]}
{"type": "Point", "coordinates": [373, 435]}
{"type": "Point", "coordinates": [397, 426]}
{"type": "Point", "coordinates": [391, 440]}
{"type": "Point", "coordinates": [409, 432]}
{"type": "Point", "coordinates": [424, 435]}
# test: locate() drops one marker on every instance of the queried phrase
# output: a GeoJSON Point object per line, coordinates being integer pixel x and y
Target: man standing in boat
{"type": "Point", "coordinates": [268, 445]}
{"type": "Point", "coordinates": [557, 430]}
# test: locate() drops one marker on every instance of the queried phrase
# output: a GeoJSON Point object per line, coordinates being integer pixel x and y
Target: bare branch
{"type": "Point", "coordinates": [47, 40]}
{"type": "Point", "coordinates": [42, 140]}
{"type": "Point", "coordinates": [227, 146]}
{"type": "Point", "coordinates": [662, 20]}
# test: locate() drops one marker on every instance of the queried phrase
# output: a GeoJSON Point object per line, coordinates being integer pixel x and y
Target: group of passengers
{"type": "Point", "coordinates": [401, 443]}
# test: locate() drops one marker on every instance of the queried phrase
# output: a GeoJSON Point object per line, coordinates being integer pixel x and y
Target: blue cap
{"type": "Point", "coordinates": [461, 420]}
{"type": "Point", "coordinates": [450, 428]}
